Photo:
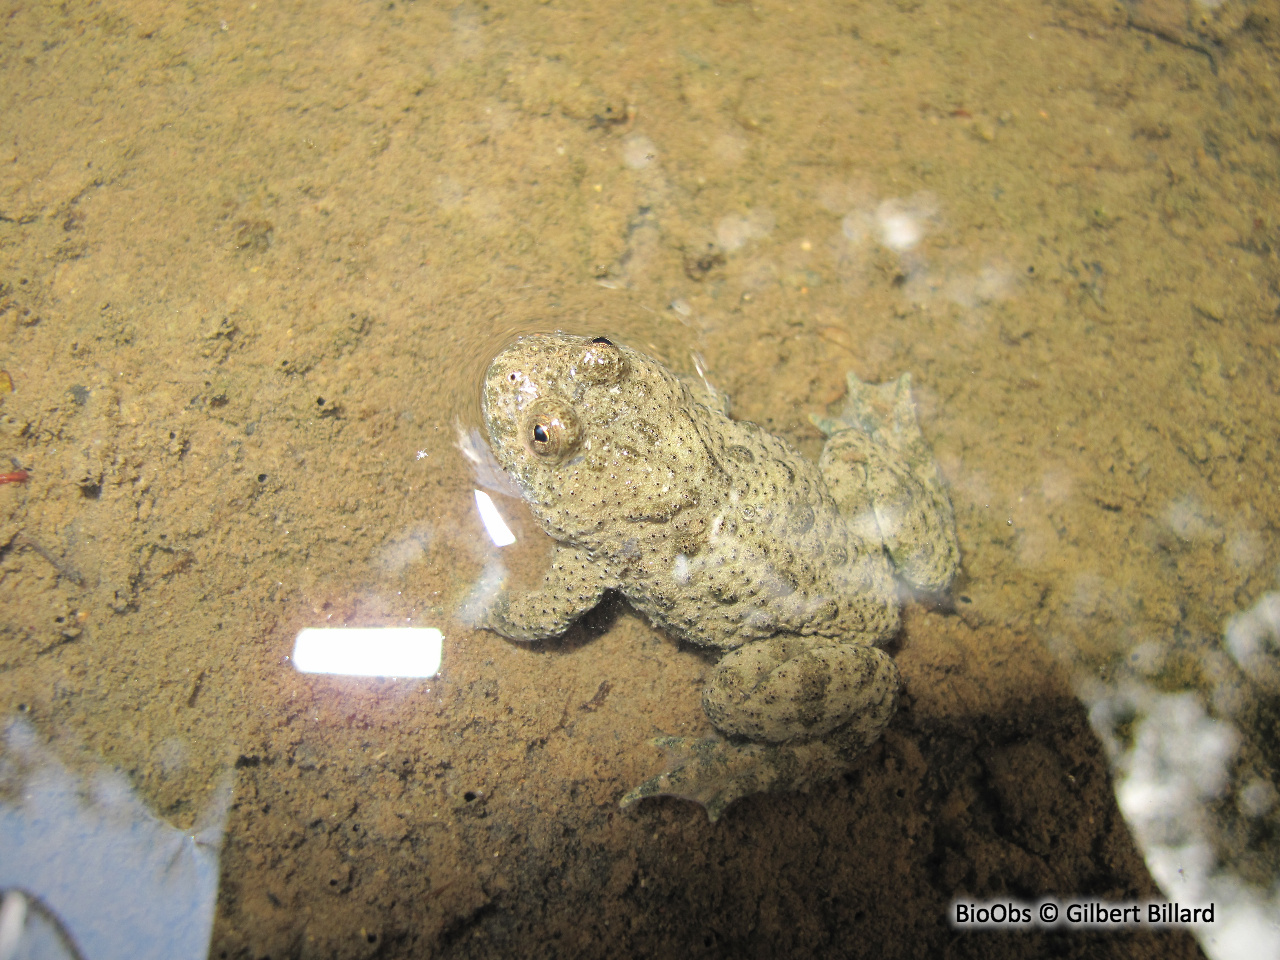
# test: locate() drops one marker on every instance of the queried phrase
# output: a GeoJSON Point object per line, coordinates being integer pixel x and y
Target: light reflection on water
{"type": "Point", "coordinates": [369, 651]}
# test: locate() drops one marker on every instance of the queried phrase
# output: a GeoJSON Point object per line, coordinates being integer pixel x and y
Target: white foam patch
{"type": "Point", "coordinates": [638, 151]}
{"type": "Point", "coordinates": [1177, 764]}
{"type": "Point", "coordinates": [902, 223]}
{"type": "Point", "coordinates": [735, 231]}
{"type": "Point", "coordinates": [899, 229]}
{"type": "Point", "coordinates": [991, 284]}
{"type": "Point", "coordinates": [403, 549]}
{"type": "Point", "coordinates": [1253, 640]}
{"type": "Point", "coordinates": [1187, 518]}
{"type": "Point", "coordinates": [1257, 798]}
{"type": "Point", "coordinates": [1246, 549]}
{"type": "Point", "coordinates": [484, 591]}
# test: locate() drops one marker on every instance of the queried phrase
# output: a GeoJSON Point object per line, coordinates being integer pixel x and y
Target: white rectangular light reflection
{"type": "Point", "coordinates": [369, 651]}
{"type": "Point", "coordinates": [499, 532]}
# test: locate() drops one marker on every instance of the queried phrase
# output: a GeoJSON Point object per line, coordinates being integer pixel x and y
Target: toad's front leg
{"type": "Point", "coordinates": [792, 710]}
{"type": "Point", "coordinates": [573, 584]}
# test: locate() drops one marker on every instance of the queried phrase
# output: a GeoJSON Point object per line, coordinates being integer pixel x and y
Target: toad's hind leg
{"type": "Point", "coordinates": [881, 472]}
{"type": "Point", "coordinates": [789, 688]}
{"type": "Point", "coordinates": [793, 710]}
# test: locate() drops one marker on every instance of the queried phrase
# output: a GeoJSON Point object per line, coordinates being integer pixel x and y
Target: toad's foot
{"type": "Point", "coordinates": [880, 470]}
{"type": "Point", "coordinates": [883, 411]}
{"type": "Point", "coordinates": [715, 772]}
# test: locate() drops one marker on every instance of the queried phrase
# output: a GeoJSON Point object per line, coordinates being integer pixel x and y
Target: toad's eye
{"type": "Point", "coordinates": [551, 430]}
{"type": "Point", "coordinates": [603, 363]}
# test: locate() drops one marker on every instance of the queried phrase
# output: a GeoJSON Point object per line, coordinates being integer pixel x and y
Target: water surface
{"type": "Point", "coordinates": [255, 257]}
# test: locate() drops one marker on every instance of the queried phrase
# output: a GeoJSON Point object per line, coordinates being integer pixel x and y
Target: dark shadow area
{"type": "Point", "coordinates": [1013, 806]}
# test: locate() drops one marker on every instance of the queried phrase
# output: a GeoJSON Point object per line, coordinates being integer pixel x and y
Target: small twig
{"type": "Point", "coordinates": [64, 569]}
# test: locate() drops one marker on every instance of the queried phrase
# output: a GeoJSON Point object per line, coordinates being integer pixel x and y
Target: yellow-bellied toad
{"type": "Point", "coordinates": [727, 537]}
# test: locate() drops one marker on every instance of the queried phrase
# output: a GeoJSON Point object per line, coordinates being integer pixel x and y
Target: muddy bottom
{"type": "Point", "coordinates": [253, 263]}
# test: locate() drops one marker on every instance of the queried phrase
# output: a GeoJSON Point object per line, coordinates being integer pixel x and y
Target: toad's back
{"type": "Point", "coordinates": [716, 529]}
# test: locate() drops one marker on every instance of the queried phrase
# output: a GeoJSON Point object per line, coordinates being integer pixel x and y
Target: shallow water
{"type": "Point", "coordinates": [254, 260]}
